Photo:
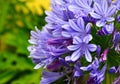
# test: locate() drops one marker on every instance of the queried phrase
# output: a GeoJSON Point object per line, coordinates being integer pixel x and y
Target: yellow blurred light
{"type": "Point", "coordinates": [113, 0]}
{"type": "Point", "coordinates": [34, 6]}
{"type": "Point", "coordinates": [19, 23]}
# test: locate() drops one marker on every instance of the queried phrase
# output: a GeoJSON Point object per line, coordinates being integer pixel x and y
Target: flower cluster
{"type": "Point", "coordinates": [80, 36]}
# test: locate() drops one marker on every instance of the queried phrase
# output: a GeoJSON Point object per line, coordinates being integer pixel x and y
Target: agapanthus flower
{"type": "Point", "coordinates": [117, 80]}
{"type": "Point", "coordinates": [98, 50]}
{"type": "Point", "coordinates": [118, 18]}
{"type": "Point", "coordinates": [76, 28]}
{"type": "Point", "coordinates": [83, 7]}
{"type": "Point", "coordinates": [46, 48]}
{"type": "Point", "coordinates": [112, 70]}
{"type": "Point", "coordinates": [49, 77]}
{"type": "Point", "coordinates": [78, 72]}
{"type": "Point", "coordinates": [96, 75]}
{"type": "Point", "coordinates": [106, 29]}
{"type": "Point", "coordinates": [116, 3]}
{"type": "Point", "coordinates": [77, 31]}
{"type": "Point", "coordinates": [82, 47]}
{"type": "Point", "coordinates": [103, 12]}
{"type": "Point", "coordinates": [116, 40]}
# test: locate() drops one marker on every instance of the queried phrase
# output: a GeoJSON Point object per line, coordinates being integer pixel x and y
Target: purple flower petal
{"type": "Point", "coordinates": [66, 34]}
{"type": "Point", "coordinates": [89, 67]}
{"type": "Point", "coordinates": [88, 28]}
{"type": "Point", "coordinates": [80, 23]}
{"type": "Point", "coordinates": [110, 19]}
{"type": "Point", "coordinates": [92, 47]}
{"type": "Point", "coordinates": [73, 8]}
{"type": "Point", "coordinates": [73, 47]}
{"type": "Point", "coordinates": [112, 70]}
{"type": "Point", "coordinates": [75, 55]}
{"type": "Point", "coordinates": [38, 66]}
{"type": "Point", "coordinates": [77, 74]}
{"type": "Point", "coordinates": [100, 23]}
{"type": "Point", "coordinates": [88, 56]}
{"type": "Point", "coordinates": [49, 77]}
{"type": "Point", "coordinates": [68, 58]}
{"type": "Point", "coordinates": [111, 11]}
{"type": "Point", "coordinates": [98, 8]}
{"type": "Point", "coordinates": [105, 6]}
{"type": "Point", "coordinates": [74, 26]}
{"type": "Point", "coordinates": [76, 40]}
{"type": "Point", "coordinates": [95, 15]}
{"type": "Point", "coordinates": [87, 38]}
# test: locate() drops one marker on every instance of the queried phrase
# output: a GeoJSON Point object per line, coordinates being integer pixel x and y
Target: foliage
{"type": "Point", "coordinates": [16, 20]}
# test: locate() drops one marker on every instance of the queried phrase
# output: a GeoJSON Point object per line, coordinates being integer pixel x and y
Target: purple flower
{"type": "Point", "coordinates": [106, 29]}
{"type": "Point", "coordinates": [82, 47]}
{"type": "Point", "coordinates": [93, 66]}
{"type": "Point", "coordinates": [118, 18]}
{"type": "Point", "coordinates": [112, 70]}
{"type": "Point", "coordinates": [117, 80]}
{"type": "Point", "coordinates": [46, 48]}
{"type": "Point", "coordinates": [104, 55]}
{"type": "Point", "coordinates": [60, 13]}
{"type": "Point", "coordinates": [96, 75]}
{"type": "Point", "coordinates": [98, 50]}
{"type": "Point", "coordinates": [116, 39]}
{"type": "Point", "coordinates": [83, 7]}
{"type": "Point", "coordinates": [76, 28]}
{"type": "Point", "coordinates": [63, 47]}
{"type": "Point", "coordinates": [78, 72]}
{"type": "Point", "coordinates": [116, 3]}
{"type": "Point", "coordinates": [103, 12]}
{"type": "Point", "coordinates": [55, 65]}
{"type": "Point", "coordinates": [88, 19]}
{"type": "Point", "coordinates": [49, 77]}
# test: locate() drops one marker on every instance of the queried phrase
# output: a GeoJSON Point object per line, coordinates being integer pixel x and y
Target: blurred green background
{"type": "Point", "coordinates": [17, 19]}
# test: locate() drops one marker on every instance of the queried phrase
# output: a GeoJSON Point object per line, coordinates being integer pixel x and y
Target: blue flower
{"type": "Point", "coordinates": [98, 50]}
{"type": "Point", "coordinates": [83, 7]}
{"type": "Point", "coordinates": [66, 37]}
{"type": "Point", "coordinates": [118, 18]}
{"type": "Point", "coordinates": [49, 77]}
{"type": "Point", "coordinates": [106, 29]}
{"type": "Point", "coordinates": [117, 80]}
{"type": "Point", "coordinates": [60, 13]}
{"type": "Point", "coordinates": [116, 41]}
{"type": "Point", "coordinates": [103, 12]}
{"type": "Point", "coordinates": [78, 72]}
{"type": "Point", "coordinates": [76, 28]}
{"type": "Point", "coordinates": [116, 3]}
{"type": "Point", "coordinates": [46, 48]}
{"type": "Point", "coordinates": [96, 75]}
{"type": "Point", "coordinates": [112, 70]}
{"type": "Point", "coordinates": [82, 47]}
{"type": "Point", "coordinates": [93, 66]}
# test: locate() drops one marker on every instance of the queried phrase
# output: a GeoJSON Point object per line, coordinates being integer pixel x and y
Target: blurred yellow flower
{"type": "Point", "coordinates": [35, 6]}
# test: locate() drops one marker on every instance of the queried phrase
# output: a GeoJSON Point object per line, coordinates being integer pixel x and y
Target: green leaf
{"type": "Point", "coordinates": [3, 13]}
{"type": "Point", "coordinates": [6, 76]}
{"type": "Point", "coordinates": [33, 78]}
{"type": "Point", "coordinates": [113, 58]}
{"type": "Point", "coordinates": [14, 62]}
